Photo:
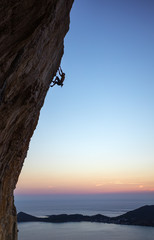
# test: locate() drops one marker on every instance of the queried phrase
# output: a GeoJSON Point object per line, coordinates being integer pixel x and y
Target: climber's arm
{"type": "Point", "coordinates": [60, 71]}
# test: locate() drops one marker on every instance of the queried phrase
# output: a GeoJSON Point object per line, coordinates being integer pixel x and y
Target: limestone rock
{"type": "Point", "coordinates": [31, 47]}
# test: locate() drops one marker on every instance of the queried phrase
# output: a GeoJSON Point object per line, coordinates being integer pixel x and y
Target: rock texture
{"type": "Point", "coordinates": [31, 47]}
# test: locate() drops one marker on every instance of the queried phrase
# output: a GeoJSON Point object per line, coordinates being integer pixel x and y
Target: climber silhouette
{"type": "Point", "coordinates": [59, 80]}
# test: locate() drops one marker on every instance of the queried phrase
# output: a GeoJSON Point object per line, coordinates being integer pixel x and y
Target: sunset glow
{"type": "Point", "coordinates": [85, 183]}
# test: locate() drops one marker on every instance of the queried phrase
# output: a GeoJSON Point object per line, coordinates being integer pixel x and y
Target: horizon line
{"type": "Point", "coordinates": [78, 193]}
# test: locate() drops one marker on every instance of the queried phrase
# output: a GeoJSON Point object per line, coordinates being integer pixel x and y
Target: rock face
{"type": "Point", "coordinates": [31, 47]}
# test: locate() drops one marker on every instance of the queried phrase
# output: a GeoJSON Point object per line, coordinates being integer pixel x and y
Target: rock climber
{"type": "Point", "coordinates": [59, 80]}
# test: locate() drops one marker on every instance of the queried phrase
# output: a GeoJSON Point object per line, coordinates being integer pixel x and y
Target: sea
{"type": "Point", "coordinates": [106, 204]}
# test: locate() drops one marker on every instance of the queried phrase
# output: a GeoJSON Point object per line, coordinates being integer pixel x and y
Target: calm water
{"type": "Point", "coordinates": [107, 204]}
{"type": "Point", "coordinates": [83, 231]}
{"type": "Point", "coordinates": [110, 205]}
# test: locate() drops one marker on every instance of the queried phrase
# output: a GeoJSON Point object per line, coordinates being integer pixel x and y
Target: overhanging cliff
{"type": "Point", "coordinates": [31, 47]}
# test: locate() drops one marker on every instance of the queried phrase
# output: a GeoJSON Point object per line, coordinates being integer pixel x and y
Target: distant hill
{"type": "Point", "coordinates": [143, 216]}
{"type": "Point", "coordinates": [24, 217]}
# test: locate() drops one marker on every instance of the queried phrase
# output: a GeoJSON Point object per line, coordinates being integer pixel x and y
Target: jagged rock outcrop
{"type": "Point", "coordinates": [31, 47]}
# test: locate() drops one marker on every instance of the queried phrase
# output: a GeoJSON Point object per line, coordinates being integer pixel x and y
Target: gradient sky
{"type": "Point", "coordinates": [96, 134]}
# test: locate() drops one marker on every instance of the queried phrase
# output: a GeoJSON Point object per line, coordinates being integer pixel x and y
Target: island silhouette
{"type": "Point", "coordinates": [143, 216]}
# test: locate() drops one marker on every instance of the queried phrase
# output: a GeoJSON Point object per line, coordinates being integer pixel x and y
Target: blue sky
{"type": "Point", "coordinates": [96, 134]}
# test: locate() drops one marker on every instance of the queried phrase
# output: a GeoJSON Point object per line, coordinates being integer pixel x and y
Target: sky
{"type": "Point", "coordinates": [96, 133]}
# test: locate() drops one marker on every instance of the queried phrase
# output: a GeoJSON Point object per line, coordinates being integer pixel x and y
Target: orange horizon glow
{"type": "Point", "coordinates": [44, 192]}
{"type": "Point", "coordinates": [83, 185]}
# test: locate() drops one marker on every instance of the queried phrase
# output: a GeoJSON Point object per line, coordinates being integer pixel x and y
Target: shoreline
{"type": "Point", "coordinates": [143, 216]}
